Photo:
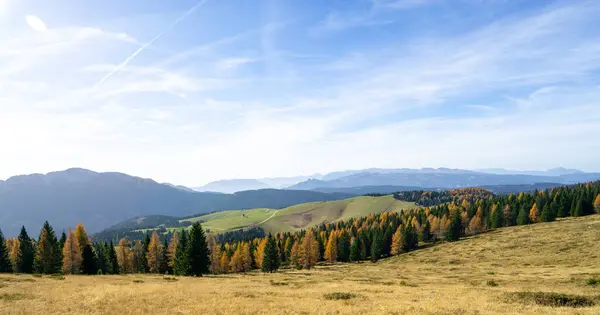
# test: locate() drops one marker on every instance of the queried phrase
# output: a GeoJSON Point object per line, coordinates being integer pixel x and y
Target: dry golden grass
{"type": "Point", "coordinates": [472, 276]}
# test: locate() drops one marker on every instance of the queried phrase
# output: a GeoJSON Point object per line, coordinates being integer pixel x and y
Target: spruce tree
{"type": "Point", "coordinates": [113, 261]}
{"type": "Point", "coordinates": [270, 261]}
{"type": "Point", "coordinates": [364, 250]}
{"type": "Point", "coordinates": [376, 246]}
{"type": "Point", "coordinates": [410, 239]}
{"type": "Point", "coordinates": [181, 265]}
{"type": "Point", "coordinates": [344, 247]}
{"type": "Point", "coordinates": [455, 229]}
{"type": "Point", "coordinates": [143, 258]}
{"type": "Point", "coordinates": [101, 258]}
{"type": "Point", "coordinates": [579, 210]}
{"type": "Point", "coordinates": [547, 215]}
{"type": "Point", "coordinates": [47, 257]}
{"type": "Point", "coordinates": [498, 218]}
{"type": "Point", "coordinates": [355, 250]}
{"type": "Point", "coordinates": [425, 235]}
{"type": "Point", "coordinates": [5, 264]}
{"type": "Point", "coordinates": [25, 263]}
{"type": "Point", "coordinates": [88, 262]}
{"type": "Point", "coordinates": [198, 254]}
{"type": "Point", "coordinates": [164, 265]}
{"type": "Point", "coordinates": [523, 218]}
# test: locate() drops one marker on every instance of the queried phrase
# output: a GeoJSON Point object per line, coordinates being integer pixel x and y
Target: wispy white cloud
{"type": "Point", "coordinates": [35, 23]}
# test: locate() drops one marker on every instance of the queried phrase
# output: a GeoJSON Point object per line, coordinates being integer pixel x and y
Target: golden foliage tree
{"type": "Point", "coordinates": [236, 264]}
{"type": "Point", "coordinates": [331, 250]}
{"type": "Point", "coordinates": [71, 263]}
{"type": "Point", "coordinates": [14, 251]}
{"type": "Point", "coordinates": [124, 256]}
{"type": "Point", "coordinates": [82, 236]}
{"type": "Point", "coordinates": [215, 260]}
{"type": "Point", "coordinates": [294, 257]}
{"type": "Point", "coordinates": [397, 241]}
{"type": "Point", "coordinates": [154, 256]}
{"type": "Point", "coordinates": [597, 203]}
{"type": "Point", "coordinates": [260, 252]}
{"type": "Point", "coordinates": [534, 214]}
{"type": "Point", "coordinates": [224, 262]}
{"type": "Point", "coordinates": [476, 224]}
{"type": "Point", "coordinates": [309, 250]}
{"type": "Point", "coordinates": [172, 249]}
{"type": "Point", "coordinates": [246, 259]}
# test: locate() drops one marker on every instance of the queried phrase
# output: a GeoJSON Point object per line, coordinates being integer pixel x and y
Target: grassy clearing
{"type": "Point", "coordinates": [539, 269]}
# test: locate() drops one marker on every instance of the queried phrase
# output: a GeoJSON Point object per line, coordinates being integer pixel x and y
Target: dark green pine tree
{"type": "Point", "coordinates": [321, 244]}
{"type": "Point", "coordinates": [270, 256]}
{"type": "Point", "coordinates": [25, 262]}
{"type": "Point", "coordinates": [579, 209]}
{"type": "Point", "coordinates": [343, 247]}
{"type": "Point", "coordinates": [47, 259]}
{"type": "Point", "coordinates": [355, 250]}
{"type": "Point", "coordinates": [410, 239]}
{"type": "Point", "coordinates": [547, 215]}
{"type": "Point", "coordinates": [573, 206]}
{"type": "Point", "coordinates": [387, 235]}
{"type": "Point", "coordinates": [182, 265]}
{"type": "Point", "coordinates": [101, 258]}
{"type": "Point", "coordinates": [113, 263]}
{"type": "Point", "coordinates": [143, 259]}
{"type": "Point", "coordinates": [523, 218]}
{"type": "Point", "coordinates": [63, 239]}
{"type": "Point", "coordinates": [197, 252]}
{"type": "Point", "coordinates": [376, 245]}
{"type": "Point", "coordinates": [164, 264]}
{"type": "Point", "coordinates": [425, 235]}
{"type": "Point", "coordinates": [455, 229]}
{"type": "Point", "coordinates": [88, 262]}
{"type": "Point", "coordinates": [364, 251]}
{"type": "Point", "coordinates": [498, 217]}
{"type": "Point", "coordinates": [563, 208]}
{"type": "Point", "coordinates": [5, 265]}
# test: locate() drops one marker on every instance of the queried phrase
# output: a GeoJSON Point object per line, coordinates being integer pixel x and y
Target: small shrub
{"type": "Point", "coordinates": [37, 275]}
{"type": "Point", "coordinates": [491, 273]}
{"type": "Point", "coordinates": [275, 283]}
{"type": "Point", "coordinates": [593, 281]}
{"type": "Point", "coordinates": [552, 299]}
{"type": "Point", "coordinates": [170, 279]}
{"type": "Point", "coordinates": [57, 276]}
{"type": "Point", "coordinates": [339, 296]}
{"type": "Point", "coordinates": [11, 296]}
{"type": "Point", "coordinates": [492, 283]}
{"type": "Point", "coordinates": [407, 284]}
{"type": "Point", "coordinates": [138, 281]}
{"type": "Point", "coordinates": [387, 283]}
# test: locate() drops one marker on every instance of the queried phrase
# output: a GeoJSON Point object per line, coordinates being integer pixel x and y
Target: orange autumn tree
{"type": "Point", "coordinates": [309, 250]}
{"type": "Point", "coordinates": [534, 214]}
{"type": "Point", "coordinates": [397, 241]}
{"type": "Point", "coordinates": [172, 249]}
{"type": "Point", "coordinates": [331, 250]}
{"type": "Point", "coordinates": [71, 262]}
{"type": "Point", "coordinates": [154, 256]}
{"type": "Point", "coordinates": [597, 203]}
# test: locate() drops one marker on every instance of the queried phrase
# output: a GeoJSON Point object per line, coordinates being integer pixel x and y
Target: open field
{"type": "Point", "coordinates": [473, 276]}
{"type": "Point", "coordinates": [297, 217]}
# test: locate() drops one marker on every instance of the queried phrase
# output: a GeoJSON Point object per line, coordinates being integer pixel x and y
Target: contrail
{"type": "Point", "coordinates": [155, 38]}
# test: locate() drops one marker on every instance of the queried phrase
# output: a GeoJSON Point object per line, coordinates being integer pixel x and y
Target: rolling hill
{"type": "Point", "coordinates": [103, 199]}
{"type": "Point", "coordinates": [292, 218]}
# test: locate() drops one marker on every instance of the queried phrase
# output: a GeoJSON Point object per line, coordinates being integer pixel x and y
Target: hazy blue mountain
{"type": "Point", "coordinates": [551, 172]}
{"type": "Point", "coordinates": [432, 179]}
{"type": "Point", "coordinates": [100, 200]}
{"type": "Point", "coordinates": [232, 185]}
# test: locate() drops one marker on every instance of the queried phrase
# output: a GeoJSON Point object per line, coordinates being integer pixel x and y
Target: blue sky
{"type": "Point", "coordinates": [188, 92]}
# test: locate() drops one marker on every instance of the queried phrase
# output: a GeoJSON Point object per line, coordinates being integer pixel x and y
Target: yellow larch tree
{"type": "Point", "coordinates": [124, 256]}
{"type": "Point", "coordinates": [309, 250]}
{"type": "Point", "coordinates": [172, 249]}
{"type": "Point", "coordinates": [331, 250]}
{"type": "Point", "coordinates": [154, 256]}
{"type": "Point", "coordinates": [236, 264]}
{"type": "Point", "coordinates": [294, 257]}
{"type": "Point", "coordinates": [534, 214]}
{"type": "Point", "coordinates": [260, 251]}
{"type": "Point", "coordinates": [224, 262]}
{"type": "Point", "coordinates": [397, 241]}
{"type": "Point", "coordinates": [14, 251]}
{"type": "Point", "coordinates": [597, 203]}
{"type": "Point", "coordinates": [71, 262]}
{"type": "Point", "coordinates": [82, 236]}
{"type": "Point", "coordinates": [246, 259]}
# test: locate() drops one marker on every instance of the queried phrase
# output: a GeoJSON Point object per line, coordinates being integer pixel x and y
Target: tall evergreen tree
{"type": "Point", "coordinates": [198, 253]}
{"type": "Point", "coordinates": [579, 209]}
{"type": "Point", "coordinates": [88, 262]}
{"type": "Point", "coordinates": [455, 228]}
{"type": "Point", "coordinates": [25, 263]}
{"type": "Point", "coordinates": [425, 234]}
{"type": "Point", "coordinates": [164, 264]}
{"type": "Point", "coordinates": [355, 250]}
{"type": "Point", "coordinates": [376, 246]}
{"type": "Point", "coordinates": [523, 218]}
{"type": "Point", "coordinates": [181, 264]}
{"type": "Point", "coordinates": [47, 258]}
{"type": "Point", "coordinates": [101, 258]}
{"type": "Point", "coordinates": [113, 261]}
{"type": "Point", "coordinates": [344, 247]}
{"type": "Point", "coordinates": [498, 218]}
{"type": "Point", "coordinates": [410, 239]}
{"type": "Point", "coordinates": [144, 258]}
{"type": "Point", "coordinates": [270, 261]}
{"type": "Point", "coordinates": [5, 264]}
{"type": "Point", "coordinates": [547, 215]}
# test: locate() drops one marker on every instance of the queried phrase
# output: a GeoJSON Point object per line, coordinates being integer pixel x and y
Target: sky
{"type": "Point", "coordinates": [193, 91]}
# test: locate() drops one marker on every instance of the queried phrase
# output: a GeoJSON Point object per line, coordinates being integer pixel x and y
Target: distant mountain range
{"type": "Point", "coordinates": [429, 178]}
{"type": "Point", "coordinates": [100, 200]}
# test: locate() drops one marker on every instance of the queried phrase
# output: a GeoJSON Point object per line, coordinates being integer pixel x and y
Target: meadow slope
{"type": "Point", "coordinates": [475, 275]}
{"type": "Point", "coordinates": [300, 216]}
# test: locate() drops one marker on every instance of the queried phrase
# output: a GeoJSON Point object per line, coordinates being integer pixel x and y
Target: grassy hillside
{"type": "Point", "coordinates": [300, 216]}
{"type": "Point", "coordinates": [515, 270]}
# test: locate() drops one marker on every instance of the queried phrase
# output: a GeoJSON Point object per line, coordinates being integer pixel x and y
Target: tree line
{"type": "Point", "coordinates": [191, 252]}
